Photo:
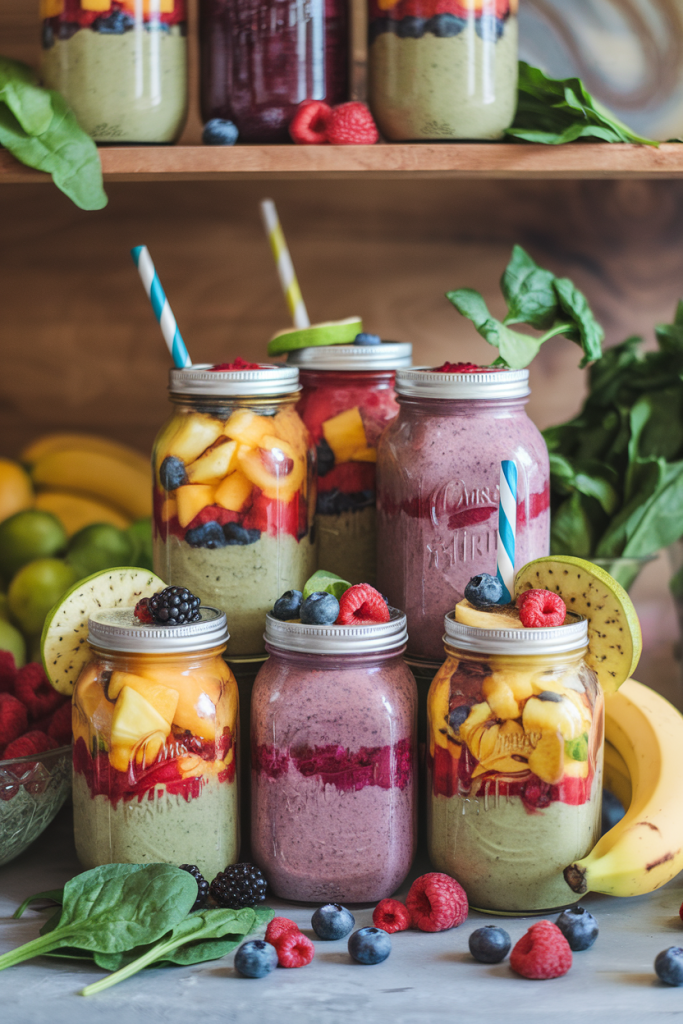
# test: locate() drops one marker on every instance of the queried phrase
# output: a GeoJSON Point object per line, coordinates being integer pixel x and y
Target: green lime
{"type": "Point", "coordinates": [100, 546]}
{"type": "Point", "coordinates": [11, 640]}
{"type": "Point", "coordinates": [333, 332]}
{"type": "Point", "coordinates": [34, 590]}
{"type": "Point", "coordinates": [27, 535]}
{"type": "Point", "coordinates": [141, 533]}
{"type": "Point", "coordinates": [329, 582]}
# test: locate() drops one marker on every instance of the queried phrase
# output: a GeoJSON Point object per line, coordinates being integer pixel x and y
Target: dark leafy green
{"type": "Point", "coordinates": [553, 111]}
{"type": "Point", "coordinates": [52, 895]}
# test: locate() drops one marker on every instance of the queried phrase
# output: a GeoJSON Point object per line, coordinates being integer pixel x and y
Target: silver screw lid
{"type": "Point", "coordinates": [424, 382]}
{"type": "Point", "coordinates": [117, 629]}
{"type": "Point", "coordinates": [295, 636]}
{"type": "Point", "coordinates": [271, 379]}
{"type": "Point", "coordinates": [551, 640]}
{"type": "Point", "coordinates": [390, 355]}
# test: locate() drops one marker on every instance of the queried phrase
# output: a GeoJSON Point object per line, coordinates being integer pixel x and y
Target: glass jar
{"type": "Point", "coordinates": [438, 480]}
{"type": "Point", "coordinates": [347, 399]}
{"type": "Point", "coordinates": [258, 61]}
{"type": "Point", "coordinates": [155, 725]}
{"type": "Point", "coordinates": [234, 494]}
{"type": "Point", "coordinates": [333, 756]}
{"type": "Point", "coordinates": [121, 65]}
{"type": "Point", "coordinates": [442, 74]}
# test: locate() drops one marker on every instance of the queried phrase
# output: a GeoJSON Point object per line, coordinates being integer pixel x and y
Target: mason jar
{"type": "Point", "coordinates": [438, 482]}
{"type": "Point", "coordinates": [121, 65]}
{"type": "Point", "coordinates": [516, 732]}
{"type": "Point", "coordinates": [333, 758]}
{"type": "Point", "coordinates": [347, 400]}
{"type": "Point", "coordinates": [442, 74]}
{"type": "Point", "coordinates": [234, 494]}
{"type": "Point", "coordinates": [156, 727]}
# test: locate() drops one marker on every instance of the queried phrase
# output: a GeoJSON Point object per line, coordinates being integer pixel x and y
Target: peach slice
{"type": "Point", "coordinates": [437, 709]}
{"type": "Point", "coordinates": [547, 758]}
{"type": "Point", "coordinates": [192, 498]}
{"type": "Point", "coordinates": [274, 467]}
{"type": "Point", "coordinates": [214, 464]}
{"type": "Point", "coordinates": [288, 426]}
{"type": "Point", "coordinates": [163, 698]}
{"type": "Point", "coordinates": [345, 434]}
{"type": "Point", "coordinates": [247, 427]}
{"type": "Point", "coordinates": [195, 434]}
{"type": "Point", "coordinates": [233, 492]}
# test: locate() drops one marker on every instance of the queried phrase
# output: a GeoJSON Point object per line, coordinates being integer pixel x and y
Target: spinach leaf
{"type": "Point", "coordinates": [529, 292]}
{"type": "Point", "coordinates": [53, 895]}
{"type": "Point", "coordinates": [516, 350]}
{"type": "Point", "coordinates": [571, 531]}
{"type": "Point", "coordinates": [587, 332]}
{"type": "Point", "coordinates": [28, 102]}
{"type": "Point", "coordinates": [670, 336]}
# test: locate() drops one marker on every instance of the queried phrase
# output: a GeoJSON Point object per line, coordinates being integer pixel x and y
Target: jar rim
{"type": "Point", "coordinates": [390, 355]}
{"type": "Point", "coordinates": [572, 636]}
{"type": "Point", "coordinates": [270, 379]}
{"type": "Point", "coordinates": [331, 639]}
{"type": "Point", "coordinates": [117, 629]}
{"type": "Point", "coordinates": [425, 382]}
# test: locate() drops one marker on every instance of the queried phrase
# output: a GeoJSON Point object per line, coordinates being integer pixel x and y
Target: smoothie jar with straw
{"type": "Point", "coordinates": [438, 491]}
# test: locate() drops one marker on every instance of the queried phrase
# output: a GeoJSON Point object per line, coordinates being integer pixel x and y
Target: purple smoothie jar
{"type": "Point", "coordinates": [333, 760]}
{"type": "Point", "coordinates": [438, 473]}
{"type": "Point", "coordinates": [260, 60]}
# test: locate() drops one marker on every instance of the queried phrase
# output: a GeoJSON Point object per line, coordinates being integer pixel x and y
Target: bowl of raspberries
{"type": "Point", "coordinates": [35, 754]}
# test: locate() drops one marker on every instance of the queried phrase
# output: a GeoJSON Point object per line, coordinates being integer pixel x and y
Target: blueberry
{"type": "Point", "coordinates": [325, 457]}
{"type": "Point", "coordinates": [489, 28]}
{"type": "Point", "coordinates": [172, 473]}
{"type": "Point", "coordinates": [458, 715]}
{"type": "Point", "coordinates": [208, 535]}
{"type": "Point", "coordinates": [612, 811]}
{"type": "Point", "coordinates": [288, 606]}
{"type": "Point", "coordinates": [332, 503]}
{"type": "Point", "coordinates": [219, 133]}
{"type": "Point", "coordinates": [370, 945]}
{"type": "Point", "coordinates": [256, 958]}
{"type": "Point", "coordinates": [367, 339]}
{"type": "Point", "coordinates": [236, 534]}
{"type": "Point", "coordinates": [410, 28]}
{"type": "Point", "coordinates": [67, 29]}
{"type": "Point", "coordinates": [580, 929]}
{"type": "Point", "coordinates": [444, 26]}
{"type": "Point", "coordinates": [669, 965]}
{"type": "Point", "coordinates": [490, 944]}
{"type": "Point", "coordinates": [114, 24]}
{"type": "Point", "coordinates": [377, 27]}
{"type": "Point", "coordinates": [320, 609]}
{"type": "Point", "coordinates": [332, 921]}
{"type": "Point", "coordinates": [484, 590]}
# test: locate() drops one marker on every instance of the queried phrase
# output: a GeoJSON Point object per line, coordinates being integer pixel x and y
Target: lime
{"type": "Point", "coordinates": [27, 535]}
{"type": "Point", "coordinates": [100, 546]}
{"type": "Point", "coordinates": [332, 332]}
{"type": "Point", "coordinates": [614, 637]}
{"type": "Point", "coordinates": [11, 640]}
{"type": "Point", "coordinates": [34, 590]}
{"type": "Point", "coordinates": [325, 581]}
{"type": "Point", "coordinates": [64, 649]}
{"type": "Point", "coordinates": [141, 534]}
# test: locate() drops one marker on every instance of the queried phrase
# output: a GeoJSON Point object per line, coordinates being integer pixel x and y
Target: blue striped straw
{"type": "Point", "coordinates": [162, 310]}
{"type": "Point", "coordinates": [507, 528]}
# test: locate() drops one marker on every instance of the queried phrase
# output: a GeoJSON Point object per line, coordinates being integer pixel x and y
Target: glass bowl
{"type": "Point", "coordinates": [32, 790]}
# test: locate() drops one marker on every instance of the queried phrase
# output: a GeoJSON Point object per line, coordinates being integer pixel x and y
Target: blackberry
{"type": "Point", "coordinates": [241, 885]}
{"type": "Point", "coordinates": [202, 885]}
{"type": "Point", "coordinates": [174, 606]}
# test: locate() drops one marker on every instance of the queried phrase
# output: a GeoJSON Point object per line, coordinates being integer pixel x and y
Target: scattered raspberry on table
{"type": "Point", "coordinates": [437, 902]}
{"type": "Point", "coordinates": [391, 916]}
{"type": "Point", "coordinates": [542, 953]}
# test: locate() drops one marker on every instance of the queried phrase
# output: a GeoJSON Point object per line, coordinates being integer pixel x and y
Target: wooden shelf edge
{"type": "Point", "coordinates": [446, 160]}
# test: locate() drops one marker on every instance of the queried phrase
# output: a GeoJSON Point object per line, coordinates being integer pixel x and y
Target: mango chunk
{"type": "Point", "coordinates": [137, 729]}
{"type": "Point", "coordinates": [195, 434]}
{"type": "Point", "coordinates": [365, 455]}
{"type": "Point", "coordinates": [288, 425]}
{"type": "Point", "coordinates": [345, 434]}
{"type": "Point", "coordinates": [247, 427]}
{"type": "Point", "coordinates": [162, 698]}
{"type": "Point", "coordinates": [198, 695]}
{"type": "Point", "coordinates": [214, 464]}
{"type": "Point", "coordinates": [169, 510]}
{"type": "Point", "coordinates": [191, 499]}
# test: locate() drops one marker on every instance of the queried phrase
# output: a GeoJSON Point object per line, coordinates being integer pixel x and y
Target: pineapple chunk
{"type": "Point", "coordinates": [552, 715]}
{"type": "Point", "coordinates": [169, 510]}
{"type": "Point", "coordinates": [233, 492]}
{"type": "Point", "coordinates": [95, 5]}
{"type": "Point", "coordinates": [247, 427]}
{"type": "Point", "coordinates": [51, 8]}
{"type": "Point", "coordinates": [192, 498]}
{"type": "Point", "coordinates": [345, 434]}
{"type": "Point", "coordinates": [288, 426]}
{"type": "Point", "coordinates": [136, 728]}
{"type": "Point", "coordinates": [196, 433]}
{"type": "Point", "coordinates": [519, 682]}
{"type": "Point", "coordinates": [198, 694]}
{"type": "Point", "coordinates": [214, 464]}
{"type": "Point", "coordinates": [547, 758]}
{"type": "Point", "coordinates": [162, 698]}
{"type": "Point", "coordinates": [500, 698]}
{"type": "Point", "coordinates": [365, 455]}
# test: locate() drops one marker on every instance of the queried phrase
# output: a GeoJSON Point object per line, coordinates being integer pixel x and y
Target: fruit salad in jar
{"type": "Point", "coordinates": [234, 492]}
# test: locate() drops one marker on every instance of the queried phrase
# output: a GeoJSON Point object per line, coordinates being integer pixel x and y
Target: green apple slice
{"type": "Point", "coordinates": [322, 580]}
{"type": "Point", "coordinates": [614, 637]}
{"type": "Point", "coordinates": [332, 332]}
{"type": "Point", "coordinates": [63, 643]}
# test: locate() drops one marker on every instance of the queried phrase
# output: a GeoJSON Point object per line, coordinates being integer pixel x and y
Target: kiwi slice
{"type": "Point", "coordinates": [331, 332]}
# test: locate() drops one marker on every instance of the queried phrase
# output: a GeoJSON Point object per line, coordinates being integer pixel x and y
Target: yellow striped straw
{"type": "Point", "coordinates": [283, 262]}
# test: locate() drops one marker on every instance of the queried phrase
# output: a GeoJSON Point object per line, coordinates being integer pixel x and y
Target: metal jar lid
{"type": "Point", "coordinates": [271, 379]}
{"type": "Point", "coordinates": [390, 355]}
{"type": "Point", "coordinates": [424, 382]}
{"type": "Point", "coordinates": [551, 640]}
{"type": "Point", "coordinates": [117, 629]}
{"type": "Point", "coordinates": [295, 636]}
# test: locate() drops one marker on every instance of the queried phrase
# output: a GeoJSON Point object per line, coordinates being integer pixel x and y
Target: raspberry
{"type": "Point", "coordinates": [34, 691]}
{"type": "Point", "coordinates": [30, 743]}
{"type": "Point", "coordinates": [362, 605]}
{"type": "Point", "coordinates": [351, 124]}
{"type": "Point", "coordinates": [437, 902]}
{"type": "Point", "coordinates": [391, 916]}
{"type": "Point", "coordinates": [279, 927]}
{"type": "Point", "coordinates": [542, 953]}
{"type": "Point", "coordinates": [457, 368]}
{"type": "Point", "coordinates": [237, 364]}
{"type": "Point", "coordinates": [13, 718]}
{"type": "Point", "coordinates": [8, 672]}
{"type": "Point", "coordinates": [539, 608]}
{"type": "Point", "coordinates": [308, 127]}
{"type": "Point", "coordinates": [143, 612]}
{"type": "Point", "coordinates": [294, 950]}
{"type": "Point", "coordinates": [60, 725]}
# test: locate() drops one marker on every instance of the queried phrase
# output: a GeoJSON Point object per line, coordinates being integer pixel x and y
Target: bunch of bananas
{"type": "Point", "coordinates": [644, 741]}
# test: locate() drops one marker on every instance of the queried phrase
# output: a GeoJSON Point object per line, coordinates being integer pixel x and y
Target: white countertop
{"type": "Point", "coordinates": [427, 977]}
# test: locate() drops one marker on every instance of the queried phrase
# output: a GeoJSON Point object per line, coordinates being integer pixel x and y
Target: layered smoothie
{"type": "Point", "coordinates": [121, 66]}
{"type": "Point", "coordinates": [442, 69]}
{"type": "Point", "coordinates": [438, 477]}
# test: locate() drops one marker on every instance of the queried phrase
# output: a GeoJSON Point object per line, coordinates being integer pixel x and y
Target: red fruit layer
{"type": "Point", "coordinates": [349, 478]}
{"type": "Point", "coordinates": [428, 8]}
{"type": "Point", "coordinates": [337, 766]}
{"type": "Point", "coordinates": [237, 364]}
{"type": "Point", "coordinates": [459, 519]}
{"type": "Point", "coordinates": [259, 513]}
{"type": "Point", "coordinates": [465, 368]}
{"type": "Point", "coordinates": [451, 776]}
{"type": "Point", "coordinates": [103, 780]}
{"type": "Point", "coordinates": [74, 14]}
{"type": "Point", "coordinates": [326, 395]}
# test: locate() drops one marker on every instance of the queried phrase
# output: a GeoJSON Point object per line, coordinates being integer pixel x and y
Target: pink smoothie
{"type": "Point", "coordinates": [438, 473]}
{"type": "Point", "coordinates": [334, 775]}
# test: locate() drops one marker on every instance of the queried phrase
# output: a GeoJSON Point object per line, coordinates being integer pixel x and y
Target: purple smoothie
{"type": "Point", "coordinates": [438, 473]}
{"type": "Point", "coordinates": [334, 773]}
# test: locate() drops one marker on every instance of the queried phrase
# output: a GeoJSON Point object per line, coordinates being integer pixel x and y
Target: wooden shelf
{"type": "Point", "coordinates": [446, 160]}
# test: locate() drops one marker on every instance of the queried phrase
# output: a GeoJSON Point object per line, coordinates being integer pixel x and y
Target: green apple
{"type": "Point", "coordinates": [332, 332]}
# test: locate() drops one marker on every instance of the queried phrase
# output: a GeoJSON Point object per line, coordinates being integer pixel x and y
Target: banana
{"type": "Point", "coordinates": [59, 442]}
{"type": "Point", "coordinates": [616, 777]}
{"type": "Point", "coordinates": [76, 511]}
{"type": "Point", "coordinates": [645, 849]}
{"type": "Point", "coordinates": [98, 475]}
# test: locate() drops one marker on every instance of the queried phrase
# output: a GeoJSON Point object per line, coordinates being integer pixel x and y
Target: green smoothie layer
{"type": "Point", "coordinates": [347, 544]}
